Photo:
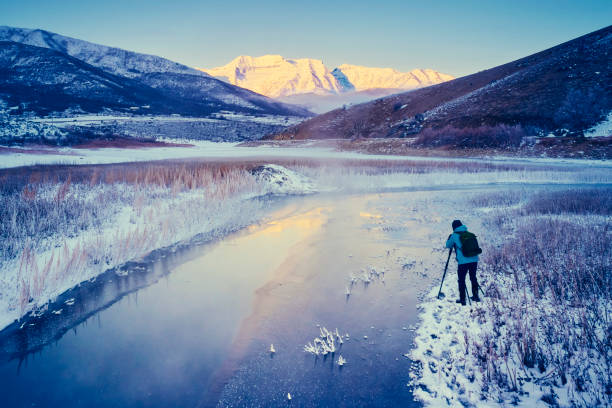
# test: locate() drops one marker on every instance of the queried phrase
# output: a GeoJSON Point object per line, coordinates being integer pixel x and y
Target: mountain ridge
{"type": "Point", "coordinates": [112, 59]}
{"type": "Point", "coordinates": [276, 76]}
{"type": "Point", "coordinates": [45, 80]}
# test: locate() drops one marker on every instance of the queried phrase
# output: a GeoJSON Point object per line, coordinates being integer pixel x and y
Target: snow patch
{"type": "Point", "coordinates": [279, 180]}
{"type": "Point", "coordinates": [601, 129]}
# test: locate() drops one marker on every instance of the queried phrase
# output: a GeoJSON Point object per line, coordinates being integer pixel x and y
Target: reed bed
{"type": "Point", "coordinates": [63, 225]}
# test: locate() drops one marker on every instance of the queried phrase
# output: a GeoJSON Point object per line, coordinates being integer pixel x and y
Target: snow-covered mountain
{"type": "Point", "coordinates": [564, 90]}
{"type": "Point", "coordinates": [275, 76]}
{"type": "Point", "coordinates": [42, 80]}
{"type": "Point", "coordinates": [363, 78]}
{"type": "Point", "coordinates": [309, 82]}
{"type": "Point", "coordinates": [181, 89]}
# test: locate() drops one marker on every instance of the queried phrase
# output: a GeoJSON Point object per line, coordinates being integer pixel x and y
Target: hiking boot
{"type": "Point", "coordinates": [475, 299]}
{"type": "Point", "coordinates": [460, 301]}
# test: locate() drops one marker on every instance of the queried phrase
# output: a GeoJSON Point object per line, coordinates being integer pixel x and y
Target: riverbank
{"type": "Point", "coordinates": [538, 338]}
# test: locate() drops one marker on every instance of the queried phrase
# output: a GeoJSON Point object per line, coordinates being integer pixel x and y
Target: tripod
{"type": "Point", "coordinates": [443, 276]}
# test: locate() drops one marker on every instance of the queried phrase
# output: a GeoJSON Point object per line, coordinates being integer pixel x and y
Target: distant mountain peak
{"type": "Point", "coordinates": [277, 77]}
{"type": "Point", "coordinates": [363, 78]}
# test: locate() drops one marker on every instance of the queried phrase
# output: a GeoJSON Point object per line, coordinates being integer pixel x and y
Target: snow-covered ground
{"type": "Point", "coordinates": [199, 149]}
{"type": "Point", "coordinates": [601, 129]}
{"type": "Point", "coordinates": [204, 149]}
{"type": "Point", "coordinates": [82, 120]}
{"type": "Point", "coordinates": [138, 218]}
{"type": "Point", "coordinates": [526, 343]}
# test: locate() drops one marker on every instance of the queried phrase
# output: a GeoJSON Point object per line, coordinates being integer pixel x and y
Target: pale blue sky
{"type": "Point", "coordinates": [456, 37]}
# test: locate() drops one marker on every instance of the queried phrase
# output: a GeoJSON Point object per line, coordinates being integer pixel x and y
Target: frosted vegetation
{"type": "Point", "coordinates": [550, 306]}
{"type": "Point", "coordinates": [328, 342]}
{"type": "Point", "coordinates": [61, 227]}
{"type": "Point", "coordinates": [542, 333]}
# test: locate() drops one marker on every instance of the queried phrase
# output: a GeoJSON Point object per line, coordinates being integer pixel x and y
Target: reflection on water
{"type": "Point", "coordinates": [368, 215]}
{"type": "Point", "coordinates": [309, 220]}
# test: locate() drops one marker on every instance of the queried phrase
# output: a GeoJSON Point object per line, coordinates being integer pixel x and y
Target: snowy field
{"type": "Point", "coordinates": [546, 346]}
{"type": "Point", "coordinates": [70, 129]}
{"type": "Point", "coordinates": [81, 120]}
{"type": "Point", "coordinates": [210, 150]}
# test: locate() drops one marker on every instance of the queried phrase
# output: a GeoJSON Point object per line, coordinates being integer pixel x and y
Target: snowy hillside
{"type": "Point", "coordinates": [115, 60]}
{"type": "Point", "coordinates": [276, 76]}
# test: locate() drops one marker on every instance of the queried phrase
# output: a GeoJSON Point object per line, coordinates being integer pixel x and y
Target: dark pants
{"type": "Point", "coordinates": [462, 270]}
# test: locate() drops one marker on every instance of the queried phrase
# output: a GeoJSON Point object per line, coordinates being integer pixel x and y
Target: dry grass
{"type": "Point", "coordinates": [550, 298]}
{"type": "Point", "coordinates": [40, 201]}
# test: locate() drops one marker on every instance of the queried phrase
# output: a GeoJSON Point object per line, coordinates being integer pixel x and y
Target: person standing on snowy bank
{"type": "Point", "coordinates": [462, 240]}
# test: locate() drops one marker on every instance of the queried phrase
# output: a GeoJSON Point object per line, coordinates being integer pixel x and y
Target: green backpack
{"type": "Point", "coordinates": [469, 244]}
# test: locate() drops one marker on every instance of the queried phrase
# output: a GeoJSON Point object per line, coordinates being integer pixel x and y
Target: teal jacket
{"type": "Point", "coordinates": [453, 241]}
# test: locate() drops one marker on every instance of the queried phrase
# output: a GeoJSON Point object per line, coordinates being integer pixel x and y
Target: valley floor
{"type": "Point", "coordinates": [94, 218]}
{"type": "Point", "coordinates": [168, 149]}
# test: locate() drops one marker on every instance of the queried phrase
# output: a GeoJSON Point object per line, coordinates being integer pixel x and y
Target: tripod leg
{"type": "Point", "coordinates": [445, 269]}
